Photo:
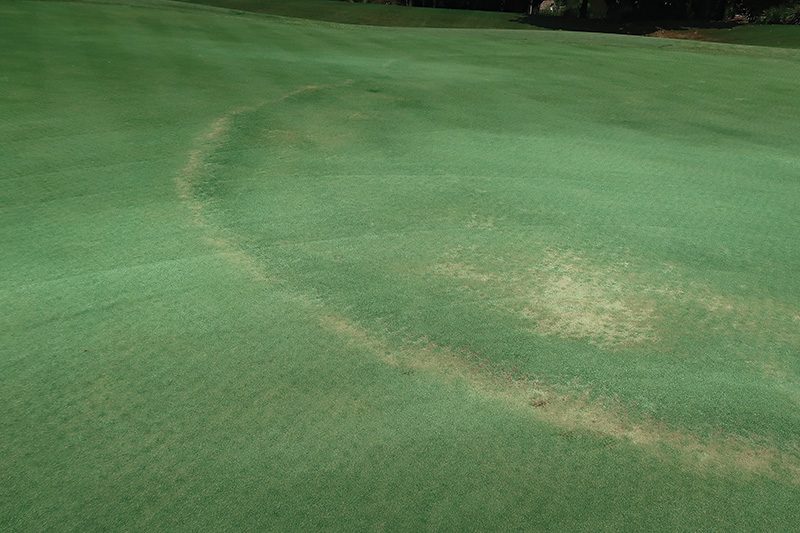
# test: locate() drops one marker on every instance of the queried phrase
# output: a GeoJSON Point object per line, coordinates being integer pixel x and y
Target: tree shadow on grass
{"type": "Point", "coordinates": [624, 27]}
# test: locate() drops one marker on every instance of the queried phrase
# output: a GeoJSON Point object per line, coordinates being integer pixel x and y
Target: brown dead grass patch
{"type": "Point", "coordinates": [570, 298]}
{"type": "Point", "coordinates": [690, 35]}
{"type": "Point", "coordinates": [562, 295]}
{"type": "Point", "coordinates": [613, 306]}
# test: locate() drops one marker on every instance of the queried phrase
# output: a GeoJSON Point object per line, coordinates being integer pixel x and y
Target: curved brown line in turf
{"type": "Point", "coordinates": [569, 412]}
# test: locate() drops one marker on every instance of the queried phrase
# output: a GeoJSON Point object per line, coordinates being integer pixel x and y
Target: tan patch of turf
{"type": "Point", "coordinates": [613, 305]}
{"type": "Point", "coordinates": [562, 295]}
{"type": "Point", "coordinates": [570, 298]}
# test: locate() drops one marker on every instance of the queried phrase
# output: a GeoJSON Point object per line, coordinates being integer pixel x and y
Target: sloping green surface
{"type": "Point", "coordinates": [263, 273]}
{"type": "Point", "coordinates": [375, 14]}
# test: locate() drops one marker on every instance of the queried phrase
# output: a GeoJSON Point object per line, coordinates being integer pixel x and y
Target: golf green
{"type": "Point", "coordinates": [262, 272]}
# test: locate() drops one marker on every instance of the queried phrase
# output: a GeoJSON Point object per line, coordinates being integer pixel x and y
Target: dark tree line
{"type": "Point", "coordinates": [698, 10]}
{"type": "Point", "coordinates": [672, 9]}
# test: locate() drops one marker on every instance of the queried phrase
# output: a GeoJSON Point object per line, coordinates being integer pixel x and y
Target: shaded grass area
{"type": "Point", "coordinates": [373, 14]}
{"type": "Point", "coordinates": [263, 275]}
{"type": "Point", "coordinates": [779, 36]}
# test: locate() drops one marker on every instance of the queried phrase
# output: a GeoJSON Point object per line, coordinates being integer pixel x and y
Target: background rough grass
{"type": "Point", "coordinates": [258, 273]}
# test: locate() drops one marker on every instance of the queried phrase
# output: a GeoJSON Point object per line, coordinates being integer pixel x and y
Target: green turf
{"type": "Point", "coordinates": [263, 273]}
{"type": "Point", "coordinates": [375, 14]}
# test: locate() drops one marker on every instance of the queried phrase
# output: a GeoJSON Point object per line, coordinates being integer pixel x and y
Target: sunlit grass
{"type": "Point", "coordinates": [276, 274]}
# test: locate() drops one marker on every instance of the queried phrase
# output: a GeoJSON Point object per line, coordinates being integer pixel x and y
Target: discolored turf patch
{"type": "Point", "coordinates": [612, 305]}
{"type": "Point", "coordinates": [559, 293]}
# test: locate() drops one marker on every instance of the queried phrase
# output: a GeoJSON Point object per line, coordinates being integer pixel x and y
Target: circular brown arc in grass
{"type": "Point", "coordinates": [573, 412]}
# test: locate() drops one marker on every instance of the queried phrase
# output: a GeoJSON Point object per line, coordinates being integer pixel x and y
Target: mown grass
{"type": "Point", "coordinates": [374, 14]}
{"type": "Point", "coordinates": [259, 273]}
